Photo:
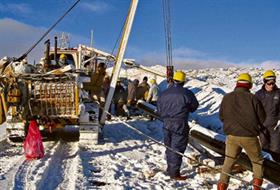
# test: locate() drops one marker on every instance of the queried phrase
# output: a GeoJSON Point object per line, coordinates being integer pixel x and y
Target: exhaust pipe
{"type": "Point", "coordinates": [47, 52]}
{"type": "Point", "coordinates": [55, 49]}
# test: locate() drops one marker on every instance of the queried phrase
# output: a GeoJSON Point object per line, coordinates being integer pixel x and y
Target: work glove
{"type": "Point", "coordinates": [277, 126]}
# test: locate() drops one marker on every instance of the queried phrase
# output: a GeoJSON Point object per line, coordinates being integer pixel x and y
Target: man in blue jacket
{"type": "Point", "coordinates": [269, 95]}
{"type": "Point", "coordinates": [174, 106]}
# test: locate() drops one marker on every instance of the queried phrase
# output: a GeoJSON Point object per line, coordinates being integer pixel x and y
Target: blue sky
{"type": "Point", "coordinates": [204, 32]}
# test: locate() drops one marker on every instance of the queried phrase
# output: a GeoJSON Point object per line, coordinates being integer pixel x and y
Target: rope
{"type": "Point", "coordinates": [179, 153]}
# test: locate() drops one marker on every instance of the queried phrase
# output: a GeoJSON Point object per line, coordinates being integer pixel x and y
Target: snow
{"type": "Point", "coordinates": [2, 131]}
{"type": "Point", "coordinates": [125, 159]}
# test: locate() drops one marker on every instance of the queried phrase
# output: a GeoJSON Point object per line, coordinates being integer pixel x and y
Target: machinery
{"type": "Point", "coordinates": [130, 63]}
{"type": "Point", "coordinates": [53, 94]}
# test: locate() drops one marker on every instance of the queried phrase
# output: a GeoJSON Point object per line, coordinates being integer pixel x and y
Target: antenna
{"type": "Point", "coordinates": [64, 40]}
{"type": "Point", "coordinates": [91, 38]}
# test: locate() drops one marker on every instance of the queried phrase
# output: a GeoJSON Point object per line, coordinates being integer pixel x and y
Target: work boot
{"type": "Point", "coordinates": [179, 178]}
{"type": "Point", "coordinates": [222, 186]}
{"type": "Point", "coordinates": [257, 183]}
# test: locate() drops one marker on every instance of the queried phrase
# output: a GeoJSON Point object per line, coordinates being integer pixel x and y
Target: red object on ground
{"type": "Point", "coordinates": [33, 144]}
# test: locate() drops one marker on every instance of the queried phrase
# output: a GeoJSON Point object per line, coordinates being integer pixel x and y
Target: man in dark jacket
{"type": "Point", "coordinates": [143, 89]}
{"type": "Point", "coordinates": [95, 86]}
{"type": "Point", "coordinates": [119, 99]}
{"type": "Point", "coordinates": [242, 114]}
{"type": "Point", "coordinates": [174, 106]}
{"type": "Point", "coordinates": [131, 97]}
{"type": "Point", "coordinates": [269, 95]}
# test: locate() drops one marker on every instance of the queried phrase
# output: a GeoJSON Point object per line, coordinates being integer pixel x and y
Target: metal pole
{"type": "Point", "coordinates": [47, 52]}
{"type": "Point", "coordinates": [91, 38]}
{"type": "Point", "coordinates": [120, 55]}
{"type": "Point", "coordinates": [55, 50]}
{"type": "Point", "coordinates": [152, 71]}
{"type": "Point", "coordinates": [132, 64]}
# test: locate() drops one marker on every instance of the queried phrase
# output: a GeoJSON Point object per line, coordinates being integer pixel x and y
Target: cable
{"type": "Point", "coordinates": [167, 29]}
{"type": "Point", "coordinates": [118, 37]}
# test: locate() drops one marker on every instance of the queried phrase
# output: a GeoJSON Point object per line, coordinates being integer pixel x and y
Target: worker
{"type": "Point", "coordinates": [119, 99]}
{"type": "Point", "coordinates": [152, 95]}
{"type": "Point", "coordinates": [62, 60]}
{"type": "Point", "coordinates": [142, 89]}
{"type": "Point", "coordinates": [106, 85]}
{"type": "Point", "coordinates": [174, 106]}
{"type": "Point", "coordinates": [95, 86]}
{"type": "Point", "coordinates": [170, 82]}
{"type": "Point", "coordinates": [153, 92]}
{"type": "Point", "coordinates": [131, 96]}
{"type": "Point", "coordinates": [242, 114]}
{"type": "Point", "coordinates": [269, 95]}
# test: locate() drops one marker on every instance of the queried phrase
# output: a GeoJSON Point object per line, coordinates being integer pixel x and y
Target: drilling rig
{"type": "Point", "coordinates": [53, 95]}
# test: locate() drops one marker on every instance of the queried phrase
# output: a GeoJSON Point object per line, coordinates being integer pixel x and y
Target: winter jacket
{"type": "Point", "coordinates": [271, 104]}
{"type": "Point", "coordinates": [270, 138]}
{"type": "Point", "coordinates": [142, 91]}
{"type": "Point", "coordinates": [106, 87]}
{"type": "Point", "coordinates": [120, 95]}
{"type": "Point", "coordinates": [176, 103]}
{"type": "Point", "coordinates": [242, 113]}
{"type": "Point", "coordinates": [153, 93]}
{"type": "Point", "coordinates": [96, 83]}
{"type": "Point", "coordinates": [132, 86]}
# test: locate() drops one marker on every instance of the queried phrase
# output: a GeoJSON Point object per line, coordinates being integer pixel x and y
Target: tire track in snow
{"type": "Point", "coordinates": [10, 175]}
{"type": "Point", "coordinates": [15, 177]}
{"type": "Point", "coordinates": [59, 172]}
{"type": "Point", "coordinates": [71, 168]}
{"type": "Point", "coordinates": [10, 159]}
{"type": "Point", "coordinates": [28, 170]}
{"type": "Point", "coordinates": [20, 175]}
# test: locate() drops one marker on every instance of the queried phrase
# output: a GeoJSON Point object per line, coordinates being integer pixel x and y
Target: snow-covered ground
{"type": "Point", "coordinates": [2, 131]}
{"type": "Point", "coordinates": [127, 160]}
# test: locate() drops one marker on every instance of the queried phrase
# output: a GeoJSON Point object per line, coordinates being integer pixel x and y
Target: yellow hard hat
{"type": "Point", "coordinates": [269, 75]}
{"type": "Point", "coordinates": [62, 56]}
{"type": "Point", "coordinates": [153, 81]}
{"type": "Point", "coordinates": [245, 77]}
{"type": "Point", "coordinates": [118, 79]}
{"type": "Point", "coordinates": [179, 76]}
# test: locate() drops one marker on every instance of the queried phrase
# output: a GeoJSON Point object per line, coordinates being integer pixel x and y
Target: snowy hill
{"type": "Point", "coordinates": [127, 160]}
